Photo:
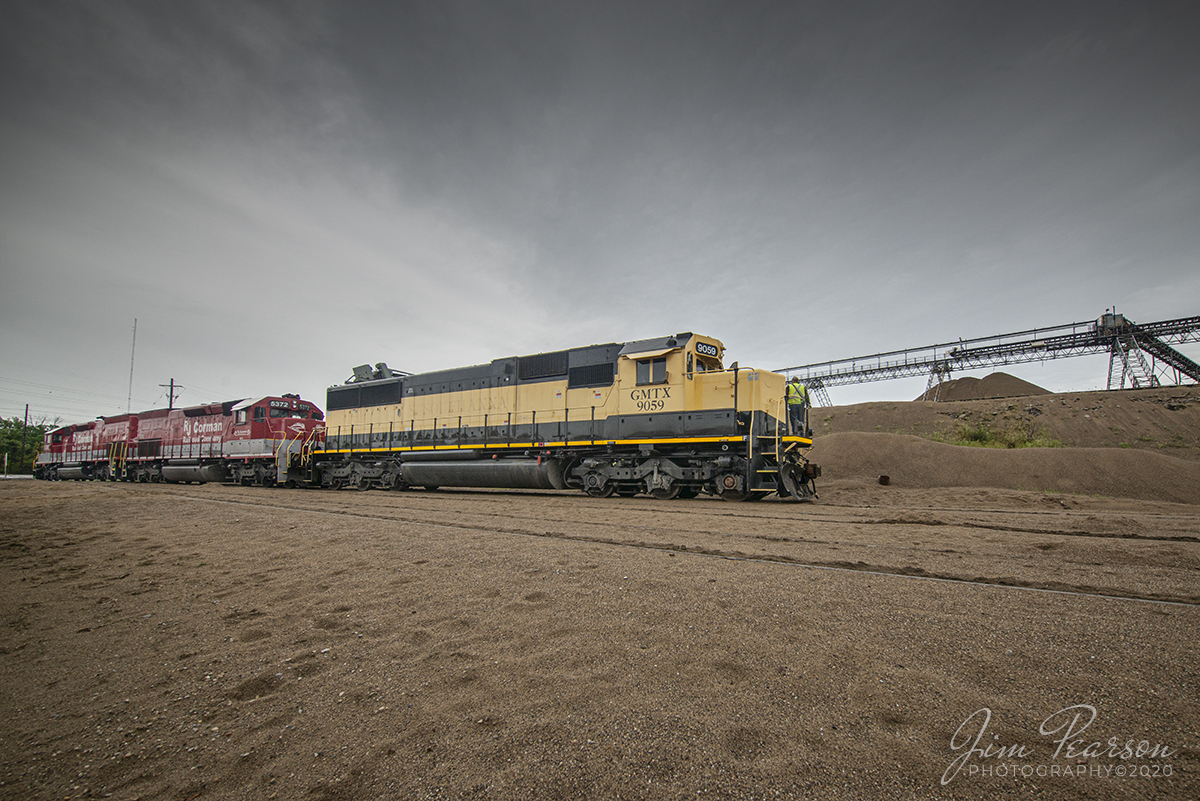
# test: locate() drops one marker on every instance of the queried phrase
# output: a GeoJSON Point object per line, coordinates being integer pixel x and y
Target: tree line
{"type": "Point", "coordinates": [11, 430]}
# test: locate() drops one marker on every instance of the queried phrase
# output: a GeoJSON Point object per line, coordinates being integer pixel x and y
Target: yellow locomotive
{"type": "Point", "coordinates": [660, 416]}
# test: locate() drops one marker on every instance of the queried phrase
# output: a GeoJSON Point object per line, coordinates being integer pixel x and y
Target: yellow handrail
{"type": "Point", "coordinates": [306, 447]}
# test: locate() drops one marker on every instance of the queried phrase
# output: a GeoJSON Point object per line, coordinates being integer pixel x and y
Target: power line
{"type": "Point", "coordinates": [58, 388]}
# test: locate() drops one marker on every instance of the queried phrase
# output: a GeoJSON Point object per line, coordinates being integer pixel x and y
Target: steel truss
{"type": "Point", "coordinates": [1140, 355]}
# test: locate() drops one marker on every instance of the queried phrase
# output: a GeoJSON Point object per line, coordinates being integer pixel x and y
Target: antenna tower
{"type": "Point", "coordinates": [132, 351]}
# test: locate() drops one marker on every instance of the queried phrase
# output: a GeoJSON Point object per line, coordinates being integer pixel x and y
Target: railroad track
{"type": "Point", "coordinates": [674, 538]}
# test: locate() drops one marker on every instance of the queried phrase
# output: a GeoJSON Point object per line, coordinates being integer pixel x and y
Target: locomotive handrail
{"type": "Point", "coordinates": [306, 448]}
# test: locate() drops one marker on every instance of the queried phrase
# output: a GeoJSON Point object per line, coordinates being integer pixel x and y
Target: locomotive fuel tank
{"type": "Point", "coordinates": [203, 473]}
{"type": "Point", "coordinates": [506, 473]}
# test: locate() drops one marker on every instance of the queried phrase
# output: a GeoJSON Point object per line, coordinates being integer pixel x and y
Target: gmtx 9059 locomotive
{"type": "Point", "coordinates": [660, 416]}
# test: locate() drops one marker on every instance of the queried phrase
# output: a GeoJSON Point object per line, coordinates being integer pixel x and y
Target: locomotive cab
{"type": "Point", "coordinates": [270, 438]}
{"type": "Point", "coordinates": [67, 454]}
{"type": "Point", "coordinates": [650, 374]}
{"type": "Point", "coordinates": [46, 464]}
{"type": "Point", "coordinates": [287, 407]}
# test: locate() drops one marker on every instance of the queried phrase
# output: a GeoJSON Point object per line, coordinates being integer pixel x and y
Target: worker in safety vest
{"type": "Point", "coordinates": [797, 403]}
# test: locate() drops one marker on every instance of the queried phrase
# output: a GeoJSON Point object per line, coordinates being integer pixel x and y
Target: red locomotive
{"type": "Point", "coordinates": [264, 441]}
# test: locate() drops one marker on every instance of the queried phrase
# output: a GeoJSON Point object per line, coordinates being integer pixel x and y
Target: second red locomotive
{"type": "Point", "coordinates": [264, 441]}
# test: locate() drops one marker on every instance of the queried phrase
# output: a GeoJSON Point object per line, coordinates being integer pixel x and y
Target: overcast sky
{"type": "Point", "coordinates": [280, 191]}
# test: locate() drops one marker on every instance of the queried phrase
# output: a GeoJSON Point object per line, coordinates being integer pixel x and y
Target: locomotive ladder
{"type": "Point", "coordinates": [306, 448]}
{"type": "Point", "coordinates": [283, 453]}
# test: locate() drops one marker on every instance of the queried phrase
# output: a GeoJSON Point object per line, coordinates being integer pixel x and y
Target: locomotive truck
{"type": "Point", "coordinates": [659, 416]}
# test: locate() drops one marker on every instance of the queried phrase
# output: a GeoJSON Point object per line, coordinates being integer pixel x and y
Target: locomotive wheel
{"type": "Point", "coordinates": [597, 486]}
{"type": "Point", "coordinates": [668, 494]}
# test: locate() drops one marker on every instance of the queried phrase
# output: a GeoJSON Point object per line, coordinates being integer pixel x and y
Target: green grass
{"type": "Point", "coordinates": [1017, 435]}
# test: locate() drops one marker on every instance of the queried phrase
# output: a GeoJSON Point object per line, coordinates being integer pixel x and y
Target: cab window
{"type": "Point", "coordinates": [700, 364]}
{"type": "Point", "coordinates": [288, 413]}
{"type": "Point", "coordinates": [240, 418]}
{"type": "Point", "coordinates": [260, 414]}
{"type": "Point", "coordinates": [652, 371]}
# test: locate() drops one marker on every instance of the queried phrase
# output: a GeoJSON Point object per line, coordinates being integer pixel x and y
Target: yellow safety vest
{"type": "Point", "coordinates": [797, 394]}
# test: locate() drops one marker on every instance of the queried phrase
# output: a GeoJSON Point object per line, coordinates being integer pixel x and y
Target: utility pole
{"type": "Point", "coordinates": [24, 431]}
{"type": "Point", "coordinates": [171, 394]}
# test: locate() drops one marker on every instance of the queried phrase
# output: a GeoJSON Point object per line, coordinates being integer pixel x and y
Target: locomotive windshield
{"type": "Point", "coordinates": [289, 413]}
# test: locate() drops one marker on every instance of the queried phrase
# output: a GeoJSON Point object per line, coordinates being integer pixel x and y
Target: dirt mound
{"type": "Point", "coordinates": [996, 385]}
{"type": "Point", "coordinates": [1163, 420]}
{"type": "Point", "coordinates": [911, 461]}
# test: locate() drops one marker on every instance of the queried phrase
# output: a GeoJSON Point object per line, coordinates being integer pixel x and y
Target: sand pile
{"type": "Point", "coordinates": [910, 461]}
{"type": "Point", "coordinates": [996, 385]}
{"type": "Point", "coordinates": [1163, 421]}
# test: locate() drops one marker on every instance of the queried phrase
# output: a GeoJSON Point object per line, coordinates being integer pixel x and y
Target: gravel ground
{"type": "Point", "coordinates": [197, 642]}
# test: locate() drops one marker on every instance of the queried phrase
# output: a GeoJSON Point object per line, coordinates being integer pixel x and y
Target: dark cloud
{"type": "Point", "coordinates": [451, 181]}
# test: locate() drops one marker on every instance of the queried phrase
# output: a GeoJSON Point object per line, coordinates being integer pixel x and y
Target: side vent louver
{"type": "Point", "coordinates": [591, 375]}
{"type": "Point", "coordinates": [542, 365]}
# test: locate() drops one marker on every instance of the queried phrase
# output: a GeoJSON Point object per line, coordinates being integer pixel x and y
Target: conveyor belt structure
{"type": "Point", "coordinates": [1140, 355]}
